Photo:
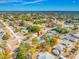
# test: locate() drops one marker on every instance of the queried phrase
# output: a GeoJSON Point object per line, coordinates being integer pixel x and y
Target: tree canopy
{"type": "Point", "coordinates": [6, 36]}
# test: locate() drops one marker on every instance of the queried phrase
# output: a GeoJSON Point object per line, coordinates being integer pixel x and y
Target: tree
{"type": "Point", "coordinates": [16, 29]}
{"type": "Point", "coordinates": [53, 42]}
{"type": "Point", "coordinates": [23, 22]}
{"type": "Point", "coordinates": [39, 21]}
{"type": "Point", "coordinates": [77, 46]}
{"type": "Point", "coordinates": [6, 36]}
{"type": "Point", "coordinates": [3, 44]}
{"type": "Point", "coordinates": [48, 48]}
{"type": "Point", "coordinates": [48, 39]}
{"type": "Point", "coordinates": [24, 18]}
{"type": "Point", "coordinates": [68, 21]}
{"type": "Point", "coordinates": [24, 51]}
{"type": "Point", "coordinates": [5, 55]}
{"type": "Point", "coordinates": [61, 30]}
{"type": "Point", "coordinates": [21, 54]}
{"type": "Point", "coordinates": [75, 27]}
{"type": "Point", "coordinates": [33, 28]}
{"type": "Point", "coordinates": [35, 41]}
{"type": "Point", "coordinates": [43, 46]}
{"type": "Point", "coordinates": [33, 51]}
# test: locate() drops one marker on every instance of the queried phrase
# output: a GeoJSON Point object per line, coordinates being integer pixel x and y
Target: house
{"type": "Point", "coordinates": [28, 23]}
{"type": "Point", "coordinates": [1, 49]}
{"type": "Point", "coordinates": [45, 55]}
{"type": "Point", "coordinates": [77, 56]}
{"type": "Point", "coordinates": [70, 24]}
{"type": "Point", "coordinates": [76, 35]}
{"type": "Point", "coordinates": [66, 43]}
{"type": "Point", "coordinates": [24, 31]}
{"type": "Point", "coordinates": [1, 33]}
{"type": "Point", "coordinates": [71, 38]}
{"type": "Point", "coordinates": [51, 33]}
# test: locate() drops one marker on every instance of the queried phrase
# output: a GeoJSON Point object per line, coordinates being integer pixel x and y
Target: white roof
{"type": "Point", "coordinates": [69, 37]}
{"type": "Point", "coordinates": [45, 55]}
{"type": "Point", "coordinates": [77, 57]}
{"type": "Point", "coordinates": [76, 34]}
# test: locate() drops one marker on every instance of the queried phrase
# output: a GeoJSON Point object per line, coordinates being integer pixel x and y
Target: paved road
{"type": "Point", "coordinates": [8, 28]}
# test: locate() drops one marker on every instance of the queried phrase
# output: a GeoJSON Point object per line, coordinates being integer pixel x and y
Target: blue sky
{"type": "Point", "coordinates": [39, 5]}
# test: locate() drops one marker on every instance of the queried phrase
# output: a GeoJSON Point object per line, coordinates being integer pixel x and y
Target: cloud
{"type": "Point", "coordinates": [36, 1]}
{"type": "Point", "coordinates": [20, 1]}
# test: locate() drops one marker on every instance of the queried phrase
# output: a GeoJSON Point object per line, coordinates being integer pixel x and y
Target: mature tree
{"type": "Point", "coordinates": [53, 42]}
{"type": "Point", "coordinates": [6, 36]}
{"type": "Point", "coordinates": [33, 51]}
{"type": "Point", "coordinates": [24, 51]}
{"type": "Point", "coordinates": [48, 48]}
{"type": "Point", "coordinates": [16, 29]}
{"type": "Point", "coordinates": [5, 55]}
{"type": "Point", "coordinates": [61, 30]}
{"type": "Point", "coordinates": [43, 46]}
{"type": "Point", "coordinates": [75, 27]}
{"type": "Point", "coordinates": [32, 28]}
{"type": "Point", "coordinates": [35, 41]}
{"type": "Point", "coordinates": [39, 21]}
{"type": "Point", "coordinates": [68, 21]}
{"type": "Point", "coordinates": [3, 44]}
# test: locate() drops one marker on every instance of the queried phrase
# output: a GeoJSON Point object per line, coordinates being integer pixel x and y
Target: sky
{"type": "Point", "coordinates": [39, 5]}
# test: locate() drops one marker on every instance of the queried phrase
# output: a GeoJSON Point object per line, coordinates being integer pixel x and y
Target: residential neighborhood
{"type": "Point", "coordinates": [39, 36]}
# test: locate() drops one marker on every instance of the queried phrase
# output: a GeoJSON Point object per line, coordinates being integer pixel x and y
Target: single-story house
{"type": "Point", "coordinates": [1, 33]}
{"type": "Point", "coordinates": [51, 33]}
{"type": "Point", "coordinates": [1, 49]}
{"type": "Point", "coordinates": [45, 55]}
{"type": "Point", "coordinates": [77, 56]}
{"type": "Point", "coordinates": [24, 31]}
{"type": "Point", "coordinates": [76, 35]}
{"type": "Point", "coordinates": [66, 43]}
{"type": "Point", "coordinates": [71, 38]}
{"type": "Point", "coordinates": [70, 24]}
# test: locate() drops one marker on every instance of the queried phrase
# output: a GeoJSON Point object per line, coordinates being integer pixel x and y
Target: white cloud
{"type": "Point", "coordinates": [36, 1]}
{"type": "Point", "coordinates": [20, 1]}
